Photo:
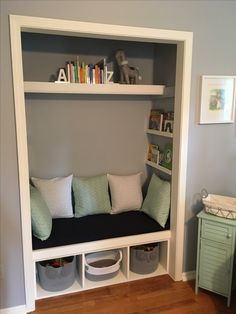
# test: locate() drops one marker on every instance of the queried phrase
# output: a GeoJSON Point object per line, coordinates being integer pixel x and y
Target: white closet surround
{"type": "Point", "coordinates": [171, 241]}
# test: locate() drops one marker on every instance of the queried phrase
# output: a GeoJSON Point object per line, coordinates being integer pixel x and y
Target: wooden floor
{"type": "Point", "coordinates": [154, 295]}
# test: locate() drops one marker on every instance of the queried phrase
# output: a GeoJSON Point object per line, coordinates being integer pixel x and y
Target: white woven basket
{"type": "Point", "coordinates": [115, 255]}
{"type": "Point", "coordinates": [219, 205]}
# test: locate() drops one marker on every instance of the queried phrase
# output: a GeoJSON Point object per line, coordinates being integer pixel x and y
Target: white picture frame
{"type": "Point", "coordinates": [169, 126]}
{"type": "Point", "coordinates": [217, 99]}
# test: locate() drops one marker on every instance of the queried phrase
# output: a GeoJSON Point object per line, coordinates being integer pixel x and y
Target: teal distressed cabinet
{"type": "Point", "coordinates": [215, 254]}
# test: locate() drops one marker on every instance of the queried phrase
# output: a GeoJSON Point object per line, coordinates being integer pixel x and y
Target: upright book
{"type": "Point", "coordinates": [156, 120]}
{"type": "Point", "coordinates": [153, 153]}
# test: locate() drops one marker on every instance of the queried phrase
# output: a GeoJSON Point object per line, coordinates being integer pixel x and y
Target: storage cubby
{"type": "Point", "coordinates": [162, 265]}
{"type": "Point", "coordinates": [39, 47]}
{"type": "Point", "coordinates": [76, 286]}
{"type": "Point", "coordinates": [123, 275]}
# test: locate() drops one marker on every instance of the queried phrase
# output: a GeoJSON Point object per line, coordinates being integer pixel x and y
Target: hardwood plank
{"type": "Point", "coordinates": [154, 295]}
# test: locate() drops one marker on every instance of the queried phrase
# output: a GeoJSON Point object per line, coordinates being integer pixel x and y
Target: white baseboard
{"type": "Point", "coordinates": [14, 310]}
{"type": "Point", "coordinates": [189, 275]}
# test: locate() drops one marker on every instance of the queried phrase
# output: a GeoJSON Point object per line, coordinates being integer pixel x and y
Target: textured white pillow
{"type": "Point", "coordinates": [57, 194]}
{"type": "Point", "coordinates": [126, 192]}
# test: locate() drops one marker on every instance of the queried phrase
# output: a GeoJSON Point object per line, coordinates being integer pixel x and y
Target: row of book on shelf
{"type": "Point", "coordinates": [160, 157]}
{"type": "Point", "coordinates": [80, 72]}
{"type": "Point", "coordinates": [161, 121]}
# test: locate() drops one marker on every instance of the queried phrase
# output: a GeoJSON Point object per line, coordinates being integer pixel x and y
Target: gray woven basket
{"type": "Point", "coordinates": [56, 278]}
{"type": "Point", "coordinates": [144, 259]}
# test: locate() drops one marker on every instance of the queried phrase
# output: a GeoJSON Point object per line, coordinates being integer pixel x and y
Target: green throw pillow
{"type": "Point", "coordinates": [157, 200]}
{"type": "Point", "coordinates": [91, 195]}
{"type": "Point", "coordinates": [41, 218]}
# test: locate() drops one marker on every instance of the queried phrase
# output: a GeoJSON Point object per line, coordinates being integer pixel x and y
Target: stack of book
{"type": "Point", "coordinates": [77, 72]}
{"type": "Point", "coordinates": [85, 73]}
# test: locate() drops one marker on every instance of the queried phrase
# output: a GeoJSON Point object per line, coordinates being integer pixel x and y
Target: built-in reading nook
{"type": "Point", "coordinates": [102, 157]}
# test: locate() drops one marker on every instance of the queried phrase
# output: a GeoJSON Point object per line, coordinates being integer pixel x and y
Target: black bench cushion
{"type": "Point", "coordinates": [67, 231]}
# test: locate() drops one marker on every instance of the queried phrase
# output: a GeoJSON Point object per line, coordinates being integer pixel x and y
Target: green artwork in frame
{"type": "Point", "coordinates": [167, 156]}
{"type": "Point", "coordinates": [217, 99]}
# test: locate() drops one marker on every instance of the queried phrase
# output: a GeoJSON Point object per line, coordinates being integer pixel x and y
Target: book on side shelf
{"type": "Point", "coordinates": [153, 153]}
{"type": "Point", "coordinates": [156, 120]}
{"type": "Point", "coordinates": [168, 121]}
{"type": "Point", "coordinates": [166, 156]}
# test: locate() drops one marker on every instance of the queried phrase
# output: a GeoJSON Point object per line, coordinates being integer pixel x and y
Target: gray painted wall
{"type": "Point", "coordinates": [212, 148]}
{"type": "Point", "coordinates": [90, 135]}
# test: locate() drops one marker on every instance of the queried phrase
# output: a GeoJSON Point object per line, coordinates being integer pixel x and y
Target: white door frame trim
{"type": "Point", "coordinates": [183, 40]}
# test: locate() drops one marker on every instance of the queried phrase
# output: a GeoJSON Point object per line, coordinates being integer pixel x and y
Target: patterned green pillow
{"type": "Point", "coordinates": [91, 195]}
{"type": "Point", "coordinates": [41, 218]}
{"type": "Point", "coordinates": [157, 200]}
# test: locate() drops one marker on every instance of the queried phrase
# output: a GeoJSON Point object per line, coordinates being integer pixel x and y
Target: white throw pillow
{"type": "Point", "coordinates": [126, 192]}
{"type": "Point", "coordinates": [57, 194]}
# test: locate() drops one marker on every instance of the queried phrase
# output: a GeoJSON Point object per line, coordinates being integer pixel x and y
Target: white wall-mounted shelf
{"type": "Point", "coordinates": [76, 88]}
{"type": "Point", "coordinates": [159, 167]}
{"type": "Point", "coordinates": [169, 92]}
{"type": "Point", "coordinates": [159, 133]}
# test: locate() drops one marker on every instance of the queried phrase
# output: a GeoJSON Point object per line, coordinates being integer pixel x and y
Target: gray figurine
{"type": "Point", "coordinates": [128, 75]}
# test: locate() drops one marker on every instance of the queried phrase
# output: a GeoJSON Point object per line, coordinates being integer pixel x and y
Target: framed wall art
{"type": "Point", "coordinates": [217, 99]}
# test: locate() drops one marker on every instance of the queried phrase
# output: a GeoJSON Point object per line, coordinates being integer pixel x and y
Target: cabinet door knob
{"type": "Point", "coordinates": [229, 236]}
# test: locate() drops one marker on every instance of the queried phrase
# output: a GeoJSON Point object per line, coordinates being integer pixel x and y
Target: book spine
{"type": "Point", "coordinates": [83, 72]}
{"type": "Point", "coordinates": [94, 76]}
{"type": "Point", "coordinates": [68, 71]}
{"type": "Point", "coordinates": [105, 74]}
{"type": "Point", "coordinates": [72, 74]}
{"type": "Point", "coordinates": [78, 69]}
{"type": "Point", "coordinates": [101, 76]}
{"type": "Point", "coordinates": [76, 73]}
{"type": "Point", "coordinates": [86, 73]}
{"type": "Point", "coordinates": [161, 122]}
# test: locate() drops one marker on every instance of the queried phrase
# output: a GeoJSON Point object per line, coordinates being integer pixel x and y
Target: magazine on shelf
{"type": "Point", "coordinates": [166, 156]}
{"type": "Point", "coordinates": [168, 121]}
{"type": "Point", "coordinates": [156, 120]}
{"type": "Point", "coordinates": [153, 153]}
{"type": "Point", "coordinates": [168, 126]}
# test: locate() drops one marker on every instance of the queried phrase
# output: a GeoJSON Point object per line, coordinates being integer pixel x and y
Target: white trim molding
{"type": "Point", "coordinates": [189, 275]}
{"type": "Point", "coordinates": [183, 40]}
{"type": "Point", "coordinates": [21, 309]}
